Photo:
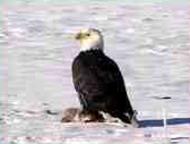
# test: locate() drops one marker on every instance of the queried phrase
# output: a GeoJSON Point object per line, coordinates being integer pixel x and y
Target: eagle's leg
{"type": "Point", "coordinates": [87, 114]}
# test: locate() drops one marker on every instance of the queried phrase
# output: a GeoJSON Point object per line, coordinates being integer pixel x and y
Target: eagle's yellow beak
{"type": "Point", "coordinates": [80, 36]}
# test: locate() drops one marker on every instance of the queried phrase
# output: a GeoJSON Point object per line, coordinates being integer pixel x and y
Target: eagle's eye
{"type": "Point", "coordinates": [88, 34]}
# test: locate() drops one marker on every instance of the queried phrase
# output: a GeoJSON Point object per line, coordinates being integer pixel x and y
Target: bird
{"type": "Point", "coordinates": [97, 78]}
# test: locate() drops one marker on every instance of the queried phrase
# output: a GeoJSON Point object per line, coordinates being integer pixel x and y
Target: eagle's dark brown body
{"type": "Point", "coordinates": [100, 85]}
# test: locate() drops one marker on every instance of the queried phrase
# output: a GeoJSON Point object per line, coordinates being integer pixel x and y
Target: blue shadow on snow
{"type": "Point", "coordinates": [159, 123]}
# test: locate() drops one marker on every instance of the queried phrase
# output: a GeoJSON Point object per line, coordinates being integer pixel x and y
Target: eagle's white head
{"type": "Point", "coordinates": [90, 39]}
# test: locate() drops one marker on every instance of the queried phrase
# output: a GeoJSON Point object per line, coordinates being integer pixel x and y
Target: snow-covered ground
{"type": "Point", "coordinates": [150, 43]}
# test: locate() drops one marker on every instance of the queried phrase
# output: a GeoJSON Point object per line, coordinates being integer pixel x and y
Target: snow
{"type": "Point", "coordinates": [150, 43]}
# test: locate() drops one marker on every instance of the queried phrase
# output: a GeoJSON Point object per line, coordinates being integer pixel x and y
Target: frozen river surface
{"type": "Point", "coordinates": [151, 44]}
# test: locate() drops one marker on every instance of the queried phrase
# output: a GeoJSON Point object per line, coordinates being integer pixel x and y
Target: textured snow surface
{"type": "Point", "coordinates": [150, 43]}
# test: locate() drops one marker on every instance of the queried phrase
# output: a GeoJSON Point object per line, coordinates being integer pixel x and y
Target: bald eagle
{"type": "Point", "coordinates": [98, 80]}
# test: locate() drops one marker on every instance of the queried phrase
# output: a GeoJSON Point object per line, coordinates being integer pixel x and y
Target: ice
{"type": "Point", "coordinates": [150, 43]}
